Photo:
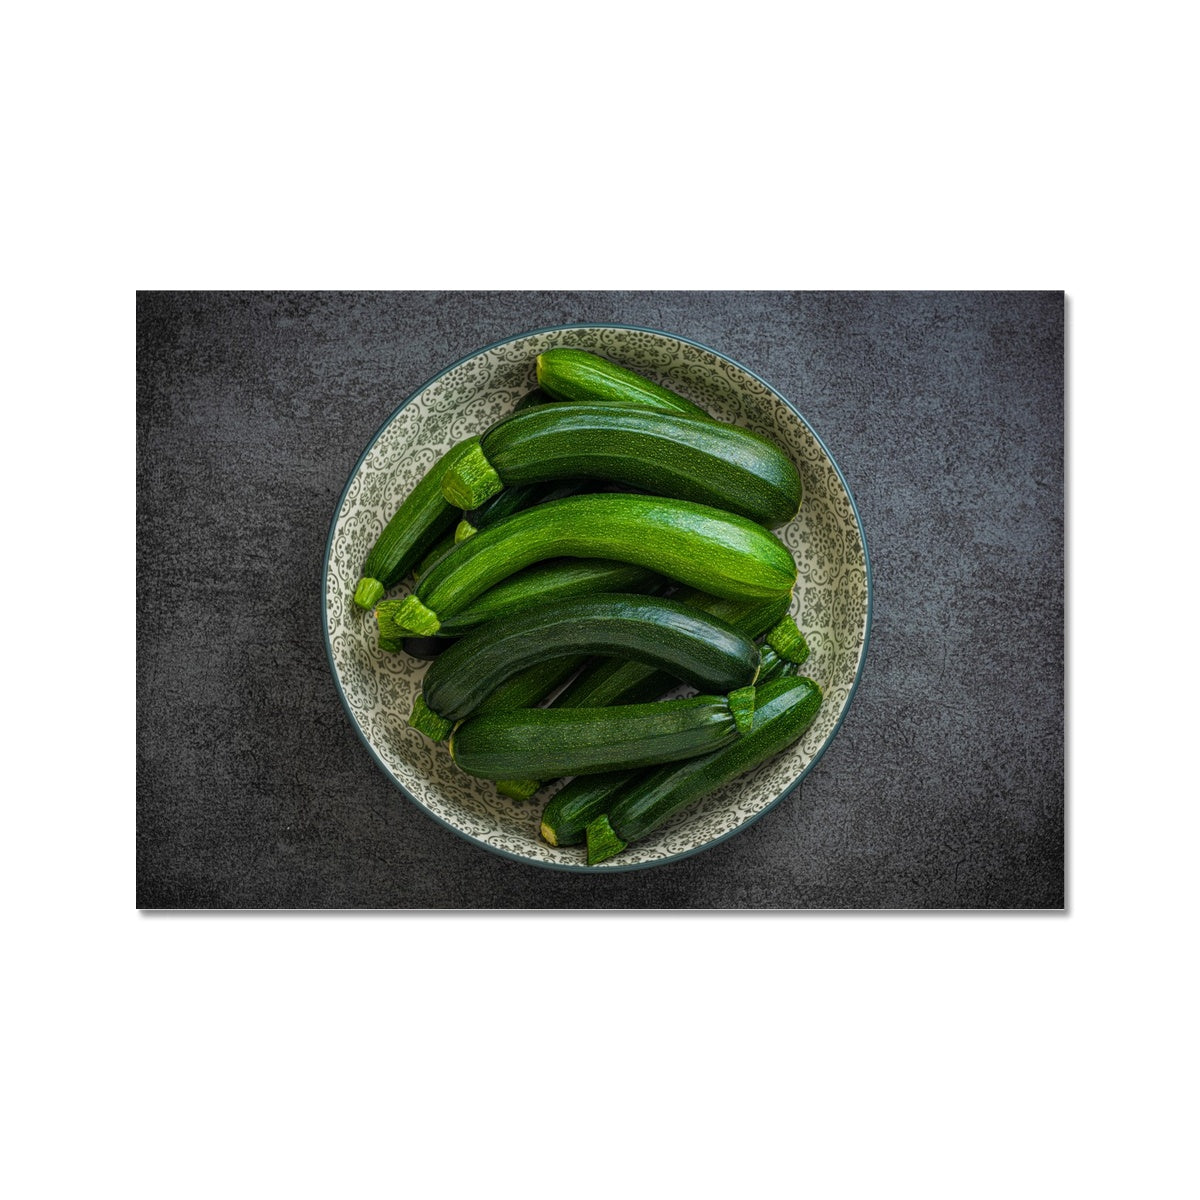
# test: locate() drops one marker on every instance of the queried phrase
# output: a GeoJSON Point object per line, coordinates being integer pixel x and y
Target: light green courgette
{"type": "Point", "coordinates": [717, 552]}
{"type": "Point", "coordinates": [413, 529]}
{"type": "Point", "coordinates": [582, 377]}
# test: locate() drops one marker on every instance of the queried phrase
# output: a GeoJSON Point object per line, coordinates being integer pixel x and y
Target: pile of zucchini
{"type": "Point", "coordinates": [609, 536]}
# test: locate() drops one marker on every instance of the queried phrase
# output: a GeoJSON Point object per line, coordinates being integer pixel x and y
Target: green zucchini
{"type": "Point", "coordinates": [707, 462]}
{"type": "Point", "coordinates": [547, 582]}
{"type": "Point", "coordinates": [415, 526]}
{"type": "Point", "coordinates": [719, 552]}
{"type": "Point", "coordinates": [583, 377]}
{"type": "Point", "coordinates": [615, 681]}
{"type": "Point", "coordinates": [783, 710]}
{"type": "Point", "coordinates": [523, 742]}
{"type": "Point", "coordinates": [611, 681]}
{"type": "Point", "coordinates": [666, 635]}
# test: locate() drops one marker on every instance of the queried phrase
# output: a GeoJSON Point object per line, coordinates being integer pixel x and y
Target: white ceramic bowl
{"type": "Point", "coordinates": [832, 601]}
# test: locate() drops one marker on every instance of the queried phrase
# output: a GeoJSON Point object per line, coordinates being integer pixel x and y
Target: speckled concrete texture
{"type": "Point", "coordinates": [945, 786]}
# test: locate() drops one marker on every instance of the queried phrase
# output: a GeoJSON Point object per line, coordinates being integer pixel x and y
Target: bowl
{"type": "Point", "coordinates": [831, 602]}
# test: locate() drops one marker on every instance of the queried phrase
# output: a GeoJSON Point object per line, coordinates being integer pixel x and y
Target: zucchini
{"type": "Point", "coordinates": [415, 526]}
{"type": "Point", "coordinates": [523, 742]}
{"type": "Point", "coordinates": [615, 682]}
{"type": "Point", "coordinates": [583, 377]}
{"type": "Point", "coordinates": [547, 582]}
{"type": "Point", "coordinates": [707, 462]}
{"type": "Point", "coordinates": [719, 552]}
{"type": "Point", "coordinates": [666, 635]}
{"type": "Point", "coordinates": [783, 710]}
{"type": "Point", "coordinates": [612, 681]}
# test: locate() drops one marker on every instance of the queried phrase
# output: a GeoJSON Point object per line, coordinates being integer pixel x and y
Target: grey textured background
{"type": "Point", "coordinates": [945, 786]}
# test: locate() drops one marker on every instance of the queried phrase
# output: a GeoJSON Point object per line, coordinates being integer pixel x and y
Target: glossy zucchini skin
{"type": "Point", "coordinates": [666, 635]}
{"type": "Point", "coordinates": [783, 710]}
{"type": "Point", "coordinates": [543, 742]}
{"type": "Point", "coordinates": [582, 377]}
{"type": "Point", "coordinates": [614, 682]}
{"type": "Point", "coordinates": [718, 552]}
{"type": "Point", "coordinates": [707, 462]}
{"type": "Point", "coordinates": [416, 525]}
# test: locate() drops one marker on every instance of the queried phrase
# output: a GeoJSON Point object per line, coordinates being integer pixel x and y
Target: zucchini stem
{"type": "Point", "coordinates": [369, 592]}
{"type": "Point", "coordinates": [741, 704]}
{"type": "Point", "coordinates": [424, 720]}
{"type": "Point", "coordinates": [472, 479]}
{"type": "Point", "coordinates": [788, 642]}
{"type": "Point", "coordinates": [602, 841]}
{"type": "Point", "coordinates": [403, 618]}
{"type": "Point", "coordinates": [464, 530]}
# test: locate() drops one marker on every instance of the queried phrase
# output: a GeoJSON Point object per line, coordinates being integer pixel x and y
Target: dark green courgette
{"type": "Point", "coordinates": [718, 552]}
{"type": "Point", "coordinates": [784, 709]}
{"type": "Point", "coordinates": [545, 583]}
{"type": "Point", "coordinates": [582, 377]}
{"type": "Point", "coordinates": [416, 525]}
{"type": "Point", "coordinates": [678, 639]}
{"type": "Point", "coordinates": [525, 742]}
{"type": "Point", "coordinates": [611, 681]}
{"type": "Point", "coordinates": [707, 462]}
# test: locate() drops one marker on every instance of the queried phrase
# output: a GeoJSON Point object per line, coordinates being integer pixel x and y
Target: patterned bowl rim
{"type": "Point", "coordinates": [578, 867]}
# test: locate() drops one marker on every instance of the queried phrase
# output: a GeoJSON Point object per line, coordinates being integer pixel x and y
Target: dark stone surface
{"type": "Point", "coordinates": [945, 786]}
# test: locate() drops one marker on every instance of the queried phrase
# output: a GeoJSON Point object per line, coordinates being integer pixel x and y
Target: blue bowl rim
{"type": "Point", "coordinates": [582, 868]}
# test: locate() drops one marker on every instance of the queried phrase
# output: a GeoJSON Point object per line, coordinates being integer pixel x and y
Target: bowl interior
{"type": "Point", "coordinates": [831, 600]}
